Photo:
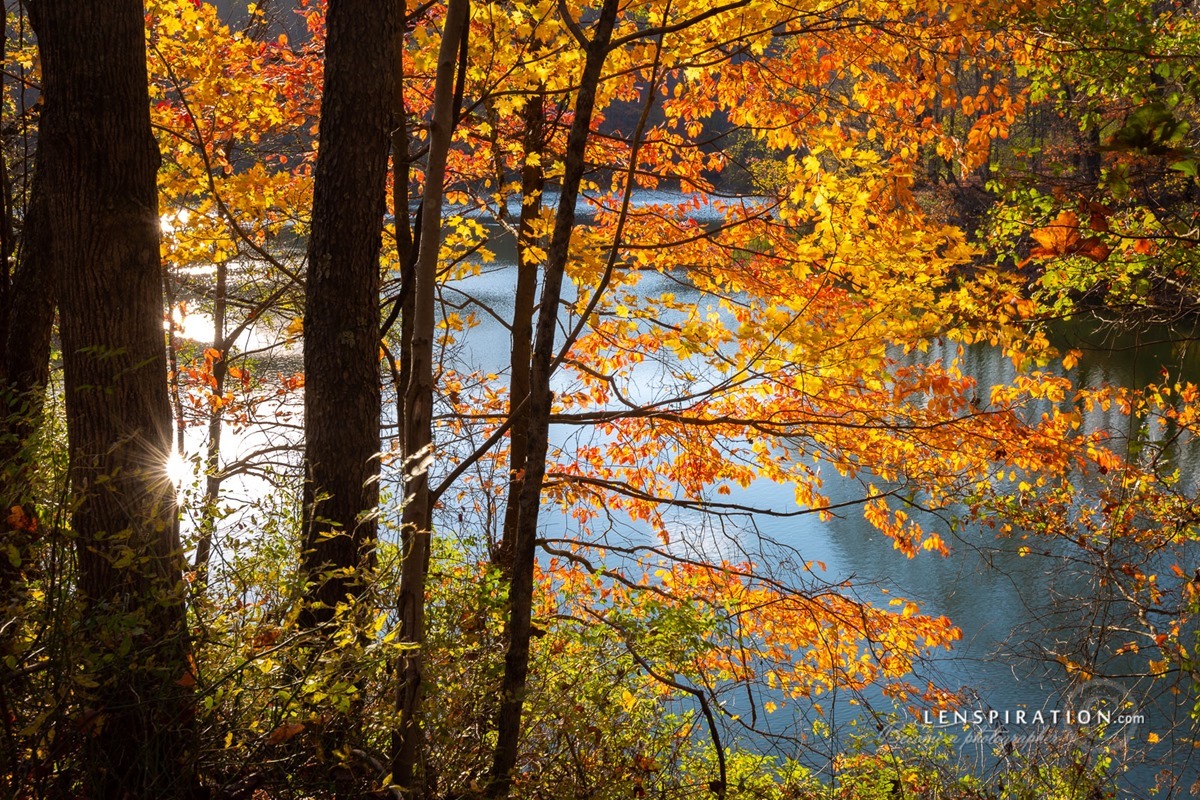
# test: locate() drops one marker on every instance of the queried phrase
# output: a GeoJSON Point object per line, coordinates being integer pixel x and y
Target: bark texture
{"type": "Point", "coordinates": [31, 317]}
{"type": "Point", "coordinates": [537, 418]}
{"type": "Point", "coordinates": [341, 307]}
{"type": "Point", "coordinates": [533, 185]}
{"type": "Point", "coordinates": [97, 163]}
{"type": "Point", "coordinates": [418, 403]}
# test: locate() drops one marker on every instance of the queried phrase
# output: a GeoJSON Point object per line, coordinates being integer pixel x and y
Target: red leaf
{"type": "Point", "coordinates": [1093, 248]}
{"type": "Point", "coordinates": [1098, 217]}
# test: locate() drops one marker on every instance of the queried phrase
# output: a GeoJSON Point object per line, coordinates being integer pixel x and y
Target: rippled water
{"type": "Point", "coordinates": [1006, 605]}
{"type": "Point", "coordinates": [1003, 603]}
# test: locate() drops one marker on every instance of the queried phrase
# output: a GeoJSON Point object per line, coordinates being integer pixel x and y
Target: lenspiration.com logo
{"type": "Point", "coordinates": [1099, 706]}
{"type": "Point", "coordinates": [1098, 712]}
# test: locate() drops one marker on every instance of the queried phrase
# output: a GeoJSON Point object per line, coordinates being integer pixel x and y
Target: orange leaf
{"type": "Point", "coordinates": [1058, 237]}
{"type": "Point", "coordinates": [265, 639]}
{"type": "Point", "coordinates": [1061, 238]}
{"type": "Point", "coordinates": [287, 730]}
{"type": "Point", "coordinates": [18, 520]}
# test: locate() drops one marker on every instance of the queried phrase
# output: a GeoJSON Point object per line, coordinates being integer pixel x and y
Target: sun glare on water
{"type": "Point", "coordinates": [174, 220]}
{"type": "Point", "coordinates": [179, 470]}
{"type": "Point", "coordinates": [191, 326]}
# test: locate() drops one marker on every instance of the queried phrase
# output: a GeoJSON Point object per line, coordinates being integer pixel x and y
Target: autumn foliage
{"type": "Point", "coordinates": [772, 238]}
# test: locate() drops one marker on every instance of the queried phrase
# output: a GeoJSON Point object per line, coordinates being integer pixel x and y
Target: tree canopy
{"type": "Point", "coordinates": [484, 326]}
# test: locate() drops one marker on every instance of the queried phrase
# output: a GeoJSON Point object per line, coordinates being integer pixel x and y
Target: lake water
{"type": "Point", "coordinates": [1009, 607]}
{"type": "Point", "coordinates": [1006, 605]}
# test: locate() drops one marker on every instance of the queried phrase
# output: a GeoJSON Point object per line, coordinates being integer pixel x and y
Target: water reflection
{"type": "Point", "coordinates": [1006, 604]}
{"type": "Point", "coordinates": [1018, 611]}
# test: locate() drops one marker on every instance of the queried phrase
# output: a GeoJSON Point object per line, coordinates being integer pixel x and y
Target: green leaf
{"type": "Point", "coordinates": [1187, 166]}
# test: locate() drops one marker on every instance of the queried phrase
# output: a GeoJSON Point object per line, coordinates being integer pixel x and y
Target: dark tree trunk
{"type": "Point", "coordinates": [26, 323]}
{"type": "Point", "coordinates": [25, 371]}
{"type": "Point", "coordinates": [537, 416]}
{"type": "Point", "coordinates": [209, 514]}
{"type": "Point", "coordinates": [341, 307]}
{"type": "Point", "coordinates": [27, 356]}
{"type": "Point", "coordinates": [533, 185]}
{"type": "Point", "coordinates": [22, 389]}
{"type": "Point", "coordinates": [418, 401]}
{"type": "Point", "coordinates": [97, 164]}
{"type": "Point", "coordinates": [1091, 159]}
{"type": "Point", "coordinates": [6, 212]}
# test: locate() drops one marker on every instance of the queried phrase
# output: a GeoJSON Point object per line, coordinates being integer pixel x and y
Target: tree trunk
{"type": "Point", "coordinates": [26, 367]}
{"type": "Point", "coordinates": [418, 404]}
{"type": "Point", "coordinates": [1091, 158]}
{"type": "Point", "coordinates": [209, 515]}
{"type": "Point", "coordinates": [98, 161]}
{"type": "Point", "coordinates": [22, 390]}
{"type": "Point", "coordinates": [533, 185]}
{"type": "Point", "coordinates": [516, 660]}
{"type": "Point", "coordinates": [341, 306]}
{"type": "Point", "coordinates": [6, 214]}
